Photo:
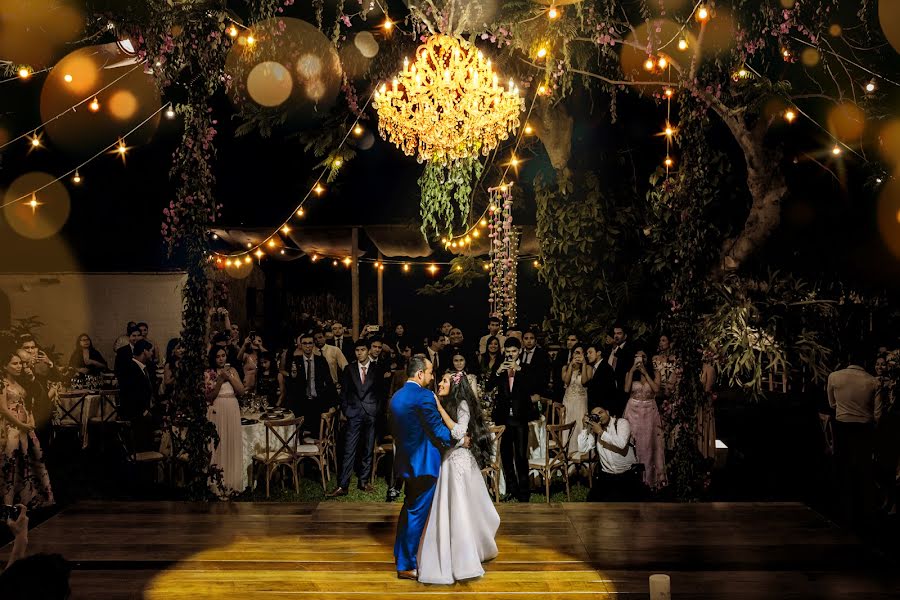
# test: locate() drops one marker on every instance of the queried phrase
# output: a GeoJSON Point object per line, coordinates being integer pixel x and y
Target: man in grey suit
{"type": "Point", "coordinates": [360, 389]}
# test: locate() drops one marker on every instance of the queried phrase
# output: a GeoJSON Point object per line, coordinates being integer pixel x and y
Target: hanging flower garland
{"type": "Point", "coordinates": [504, 256]}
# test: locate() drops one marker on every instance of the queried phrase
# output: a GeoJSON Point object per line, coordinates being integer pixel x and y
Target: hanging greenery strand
{"type": "Point", "coordinates": [504, 256]}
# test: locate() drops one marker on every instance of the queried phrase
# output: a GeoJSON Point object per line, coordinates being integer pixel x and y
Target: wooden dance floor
{"type": "Point", "coordinates": [338, 550]}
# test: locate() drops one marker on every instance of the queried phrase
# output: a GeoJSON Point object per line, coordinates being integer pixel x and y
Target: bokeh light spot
{"type": "Point", "coordinates": [366, 43]}
{"type": "Point", "coordinates": [889, 18]}
{"type": "Point", "coordinates": [309, 66]}
{"type": "Point", "coordinates": [889, 143]}
{"type": "Point", "coordinates": [846, 121]}
{"type": "Point", "coordinates": [810, 57]}
{"type": "Point", "coordinates": [123, 105]}
{"type": "Point", "coordinates": [83, 70]}
{"type": "Point", "coordinates": [32, 32]}
{"type": "Point", "coordinates": [51, 210]}
{"type": "Point", "coordinates": [269, 83]}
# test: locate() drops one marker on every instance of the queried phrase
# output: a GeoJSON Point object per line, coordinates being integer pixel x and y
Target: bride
{"type": "Point", "coordinates": [463, 521]}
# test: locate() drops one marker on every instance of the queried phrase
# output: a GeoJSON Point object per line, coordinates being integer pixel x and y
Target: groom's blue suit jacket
{"type": "Point", "coordinates": [418, 432]}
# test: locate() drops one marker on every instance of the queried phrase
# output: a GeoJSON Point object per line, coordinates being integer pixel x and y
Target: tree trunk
{"type": "Point", "coordinates": [767, 187]}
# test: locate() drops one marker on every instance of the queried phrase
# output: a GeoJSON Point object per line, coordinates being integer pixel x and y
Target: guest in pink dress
{"type": "Point", "coordinates": [642, 383]}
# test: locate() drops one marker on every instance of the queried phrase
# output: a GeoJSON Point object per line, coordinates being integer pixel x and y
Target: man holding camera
{"type": "Point", "coordinates": [619, 477]}
{"type": "Point", "coordinates": [515, 406]}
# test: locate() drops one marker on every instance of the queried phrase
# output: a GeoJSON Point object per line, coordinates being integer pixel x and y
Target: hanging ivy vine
{"type": "Point", "coordinates": [447, 195]}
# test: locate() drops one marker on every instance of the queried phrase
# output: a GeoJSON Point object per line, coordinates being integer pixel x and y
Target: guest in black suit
{"type": "Point", "coordinates": [621, 358]}
{"type": "Point", "coordinates": [515, 406]}
{"type": "Point", "coordinates": [309, 388]}
{"type": "Point", "coordinates": [125, 354]}
{"type": "Point", "coordinates": [538, 359]}
{"type": "Point", "coordinates": [361, 394]}
{"type": "Point", "coordinates": [343, 340]}
{"type": "Point", "coordinates": [601, 389]}
{"type": "Point", "coordinates": [137, 384]}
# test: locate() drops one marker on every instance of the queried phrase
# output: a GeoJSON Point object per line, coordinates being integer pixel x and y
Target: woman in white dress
{"type": "Point", "coordinates": [222, 385]}
{"type": "Point", "coordinates": [463, 521]}
{"type": "Point", "coordinates": [575, 377]}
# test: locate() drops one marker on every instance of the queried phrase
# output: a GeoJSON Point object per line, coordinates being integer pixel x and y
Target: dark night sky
{"type": "Point", "coordinates": [829, 228]}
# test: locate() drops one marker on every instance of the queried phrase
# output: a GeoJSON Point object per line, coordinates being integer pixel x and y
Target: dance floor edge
{"type": "Point", "coordinates": [335, 550]}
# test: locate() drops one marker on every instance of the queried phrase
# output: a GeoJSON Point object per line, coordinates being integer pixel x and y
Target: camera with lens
{"type": "Point", "coordinates": [594, 418]}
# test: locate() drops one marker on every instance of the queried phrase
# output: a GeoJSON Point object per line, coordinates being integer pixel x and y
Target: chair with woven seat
{"type": "Point", "coordinates": [280, 451]}
{"type": "Point", "coordinates": [325, 439]}
{"type": "Point", "coordinates": [555, 456]}
{"type": "Point", "coordinates": [139, 457]}
{"type": "Point", "coordinates": [493, 470]}
{"type": "Point", "coordinates": [585, 460]}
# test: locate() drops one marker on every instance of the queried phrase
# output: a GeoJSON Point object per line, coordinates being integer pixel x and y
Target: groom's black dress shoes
{"type": "Point", "coordinates": [408, 575]}
{"type": "Point", "coordinates": [338, 492]}
{"type": "Point", "coordinates": [392, 494]}
{"type": "Point", "coordinates": [368, 488]}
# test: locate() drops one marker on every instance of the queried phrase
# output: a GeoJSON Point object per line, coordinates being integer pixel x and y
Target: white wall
{"type": "Point", "coordinates": [99, 304]}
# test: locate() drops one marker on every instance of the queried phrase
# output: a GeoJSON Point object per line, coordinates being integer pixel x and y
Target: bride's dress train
{"type": "Point", "coordinates": [463, 521]}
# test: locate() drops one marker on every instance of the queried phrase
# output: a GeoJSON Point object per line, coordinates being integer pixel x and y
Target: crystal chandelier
{"type": "Point", "coordinates": [448, 105]}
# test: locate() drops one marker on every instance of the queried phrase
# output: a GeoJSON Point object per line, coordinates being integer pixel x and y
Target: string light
{"type": "Point", "coordinates": [406, 267]}
{"type": "Point", "coordinates": [259, 254]}
{"type": "Point", "coordinates": [542, 52]}
{"type": "Point", "coordinates": [669, 162]}
{"type": "Point", "coordinates": [668, 132]}
{"type": "Point", "coordinates": [433, 269]}
{"type": "Point", "coordinates": [553, 13]}
{"type": "Point", "coordinates": [334, 263]}
{"type": "Point", "coordinates": [528, 129]}
{"type": "Point", "coordinates": [662, 62]}
{"type": "Point", "coordinates": [319, 189]}
{"type": "Point", "coordinates": [870, 87]}
{"type": "Point", "coordinates": [233, 31]}
{"type": "Point", "coordinates": [669, 92]}
{"type": "Point", "coordinates": [94, 105]}
{"type": "Point", "coordinates": [790, 115]}
{"type": "Point", "coordinates": [35, 140]}
{"type": "Point", "coordinates": [251, 40]}
{"type": "Point", "coordinates": [347, 261]}
{"type": "Point", "coordinates": [272, 243]}
{"type": "Point", "coordinates": [300, 212]}
{"type": "Point", "coordinates": [67, 78]}
{"type": "Point", "coordinates": [24, 73]}
{"type": "Point", "coordinates": [248, 260]}
{"type": "Point", "coordinates": [785, 53]}
{"type": "Point", "coordinates": [537, 264]}
{"type": "Point", "coordinates": [358, 130]}
{"type": "Point", "coordinates": [542, 90]}
{"type": "Point", "coordinates": [649, 64]}
{"type": "Point", "coordinates": [682, 45]}
{"type": "Point", "coordinates": [337, 162]}
{"type": "Point", "coordinates": [249, 244]}
{"type": "Point", "coordinates": [836, 150]}
{"type": "Point", "coordinates": [388, 24]}
{"type": "Point", "coordinates": [33, 203]}
{"type": "Point", "coordinates": [215, 236]}
{"type": "Point", "coordinates": [121, 149]}
{"type": "Point", "coordinates": [76, 178]}
{"type": "Point", "coordinates": [285, 229]}
{"type": "Point", "coordinates": [703, 14]}
{"type": "Point", "coordinates": [170, 112]}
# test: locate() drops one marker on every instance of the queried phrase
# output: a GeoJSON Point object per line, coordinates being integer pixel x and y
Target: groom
{"type": "Point", "coordinates": [418, 432]}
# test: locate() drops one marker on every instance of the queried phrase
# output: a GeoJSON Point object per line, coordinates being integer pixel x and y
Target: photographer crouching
{"type": "Point", "coordinates": [619, 477]}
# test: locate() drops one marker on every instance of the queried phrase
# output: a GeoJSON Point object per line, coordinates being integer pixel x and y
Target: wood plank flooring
{"type": "Point", "coordinates": [338, 551]}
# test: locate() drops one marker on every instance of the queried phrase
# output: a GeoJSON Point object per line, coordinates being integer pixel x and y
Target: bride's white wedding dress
{"type": "Point", "coordinates": [463, 521]}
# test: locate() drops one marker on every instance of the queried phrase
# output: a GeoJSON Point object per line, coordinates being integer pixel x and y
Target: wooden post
{"type": "Point", "coordinates": [381, 289]}
{"type": "Point", "coordinates": [354, 279]}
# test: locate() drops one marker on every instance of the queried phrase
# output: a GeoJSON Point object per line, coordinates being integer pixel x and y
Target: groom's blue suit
{"type": "Point", "coordinates": [418, 432]}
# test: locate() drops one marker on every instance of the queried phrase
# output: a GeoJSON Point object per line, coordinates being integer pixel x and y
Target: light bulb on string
{"type": "Point", "coordinates": [314, 257]}
{"type": "Point", "coordinates": [433, 269]}
{"type": "Point", "coordinates": [215, 236]}
{"type": "Point", "coordinates": [35, 140]}
{"type": "Point", "coordinates": [668, 131]}
{"type": "Point", "coordinates": [76, 179]}
{"type": "Point", "coordinates": [682, 45]}
{"type": "Point", "coordinates": [233, 31]}
{"type": "Point", "coordinates": [282, 251]}
{"type": "Point", "coordinates": [669, 92]}
{"type": "Point", "coordinates": [334, 263]}
{"type": "Point", "coordinates": [348, 261]}
{"type": "Point", "coordinates": [300, 212]}
{"type": "Point", "coordinates": [703, 14]}
{"type": "Point", "coordinates": [553, 13]}
{"type": "Point", "coordinates": [121, 149]}
{"type": "Point", "coordinates": [67, 78]}
{"type": "Point", "coordinates": [475, 233]}
{"type": "Point", "coordinates": [249, 244]}
{"type": "Point", "coordinates": [170, 112]}
{"type": "Point", "coordinates": [94, 105]}
{"type": "Point", "coordinates": [542, 52]}
{"type": "Point", "coordinates": [249, 260]}
{"type": "Point", "coordinates": [790, 115]}
{"type": "Point", "coordinates": [870, 87]}
{"type": "Point", "coordinates": [337, 162]}
{"type": "Point", "coordinates": [406, 267]}
{"type": "Point", "coordinates": [358, 130]}
{"type": "Point", "coordinates": [251, 40]}
{"type": "Point", "coordinates": [836, 150]}
{"type": "Point", "coordinates": [259, 254]}
{"type": "Point", "coordinates": [649, 64]}
{"type": "Point", "coordinates": [528, 129]}
{"type": "Point", "coordinates": [662, 62]}
{"type": "Point", "coordinates": [33, 203]}
{"type": "Point", "coordinates": [285, 229]}
{"type": "Point", "coordinates": [388, 24]}
{"type": "Point", "coordinates": [483, 222]}
{"type": "Point", "coordinates": [669, 162]}
{"type": "Point", "coordinates": [24, 73]}
{"type": "Point", "coordinates": [272, 243]}
{"type": "Point", "coordinates": [228, 262]}
{"type": "Point", "coordinates": [319, 189]}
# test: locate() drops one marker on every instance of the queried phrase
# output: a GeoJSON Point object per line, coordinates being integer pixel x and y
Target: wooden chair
{"type": "Point", "coordinates": [136, 458]}
{"type": "Point", "coordinates": [585, 460]}
{"type": "Point", "coordinates": [555, 456]}
{"type": "Point", "coordinates": [70, 414]}
{"type": "Point", "coordinates": [317, 451]}
{"type": "Point", "coordinates": [555, 415]}
{"type": "Point", "coordinates": [325, 439]}
{"type": "Point", "coordinates": [492, 471]}
{"type": "Point", "coordinates": [176, 456]}
{"type": "Point", "coordinates": [381, 450]}
{"type": "Point", "coordinates": [280, 452]}
{"type": "Point", "coordinates": [109, 407]}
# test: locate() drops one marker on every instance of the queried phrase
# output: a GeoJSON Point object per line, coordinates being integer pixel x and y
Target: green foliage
{"type": "Point", "coordinates": [447, 195]}
{"type": "Point", "coordinates": [585, 242]}
{"type": "Point", "coordinates": [464, 271]}
{"type": "Point", "coordinates": [28, 325]}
